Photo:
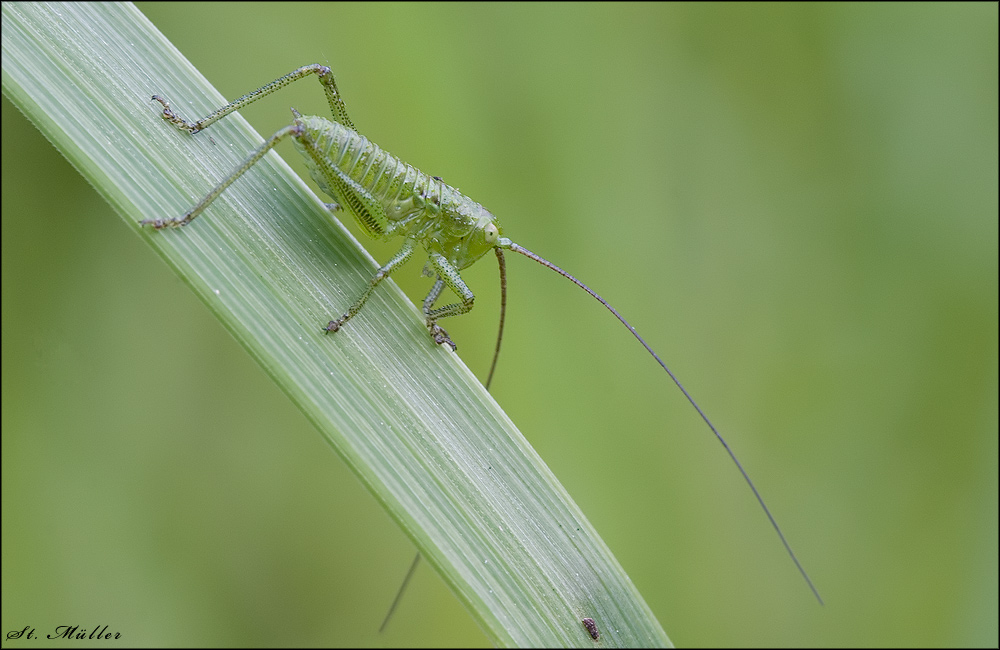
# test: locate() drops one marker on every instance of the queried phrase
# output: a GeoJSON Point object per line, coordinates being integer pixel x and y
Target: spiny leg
{"type": "Point", "coordinates": [447, 275]}
{"type": "Point", "coordinates": [397, 260]}
{"type": "Point", "coordinates": [432, 297]}
{"type": "Point", "coordinates": [323, 73]}
{"type": "Point", "coordinates": [254, 158]}
{"type": "Point", "coordinates": [438, 333]}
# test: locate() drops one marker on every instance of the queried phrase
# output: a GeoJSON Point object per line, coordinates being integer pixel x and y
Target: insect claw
{"type": "Point", "coordinates": [440, 335]}
{"type": "Point", "coordinates": [175, 119]}
{"type": "Point", "coordinates": [332, 326]}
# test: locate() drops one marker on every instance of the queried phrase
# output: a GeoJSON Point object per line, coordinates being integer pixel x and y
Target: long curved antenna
{"type": "Point", "coordinates": [399, 594]}
{"type": "Point", "coordinates": [489, 379]}
{"type": "Point", "coordinates": [503, 313]}
{"type": "Point", "coordinates": [506, 243]}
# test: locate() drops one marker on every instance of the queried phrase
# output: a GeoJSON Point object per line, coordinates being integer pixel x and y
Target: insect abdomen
{"type": "Point", "coordinates": [400, 188]}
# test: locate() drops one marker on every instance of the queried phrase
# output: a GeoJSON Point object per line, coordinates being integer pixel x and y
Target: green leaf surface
{"type": "Point", "coordinates": [407, 416]}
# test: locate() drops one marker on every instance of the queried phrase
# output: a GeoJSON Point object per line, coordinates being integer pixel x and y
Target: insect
{"type": "Point", "coordinates": [591, 628]}
{"type": "Point", "coordinates": [389, 198]}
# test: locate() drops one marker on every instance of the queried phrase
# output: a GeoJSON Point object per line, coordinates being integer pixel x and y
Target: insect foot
{"type": "Point", "coordinates": [440, 336]}
{"type": "Point", "coordinates": [175, 119]}
{"type": "Point", "coordinates": [333, 325]}
{"type": "Point", "coordinates": [160, 224]}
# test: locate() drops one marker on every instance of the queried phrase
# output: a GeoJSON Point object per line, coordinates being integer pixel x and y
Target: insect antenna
{"type": "Point", "coordinates": [399, 594]}
{"type": "Point", "coordinates": [489, 379]}
{"type": "Point", "coordinates": [506, 243]}
{"type": "Point", "coordinates": [503, 313]}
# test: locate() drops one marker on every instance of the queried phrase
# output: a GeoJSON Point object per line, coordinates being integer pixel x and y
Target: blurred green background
{"type": "Point", "coordinates": [795, 204]}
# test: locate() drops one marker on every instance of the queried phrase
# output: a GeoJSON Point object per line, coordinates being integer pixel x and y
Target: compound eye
{"type": "Point", "coordinates": [491, 232]}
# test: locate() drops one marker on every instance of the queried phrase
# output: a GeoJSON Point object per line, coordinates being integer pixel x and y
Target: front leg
{"type": "Point", "coordinates": [438, 333]}
{"type": "Point", "coordinates": [447, 275]}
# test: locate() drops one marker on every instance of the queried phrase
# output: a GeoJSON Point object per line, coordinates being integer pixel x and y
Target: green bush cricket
{"type": "Point", "coordinates": [389, 198]}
